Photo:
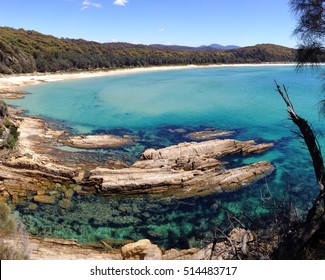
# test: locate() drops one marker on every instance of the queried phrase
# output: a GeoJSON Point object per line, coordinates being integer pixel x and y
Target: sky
{"type": "Point", "coordinates": [171, 22]}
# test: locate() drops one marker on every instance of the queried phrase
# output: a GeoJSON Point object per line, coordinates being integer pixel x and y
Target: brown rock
{"type": "Point", "coordinates": [97, 141]}
{"type": "Point", "coordinates": [46, 199]}
{"type": "Point", "coordinates": [141, 250]}
{"type": "Point", "coordinates": [174, 254]}
{"type": "Point", "coordinates": [184, 170]}
{"type": "Point", "coordinates": [41, 192]}
{"type": "Point", "coordinates": [32, 206]}
{"type": "Point", "coordinates": [65, 204]}
{"type": "Point", "coordinates": [68, 193]}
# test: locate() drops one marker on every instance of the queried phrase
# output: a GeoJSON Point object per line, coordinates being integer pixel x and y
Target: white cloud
{"type": "Point", "coordinates": [87, 3]}
{"type": "Point", "coordinates": [162, 29]}
{"type": "Point", "coordinates": [120, 2]}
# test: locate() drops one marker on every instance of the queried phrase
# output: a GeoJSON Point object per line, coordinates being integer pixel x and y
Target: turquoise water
{"type": "Point", "coordinates": [149, 106]}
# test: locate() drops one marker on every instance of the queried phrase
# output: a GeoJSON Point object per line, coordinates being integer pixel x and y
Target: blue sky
{"type": "Point", "coordinates": [180, 22]}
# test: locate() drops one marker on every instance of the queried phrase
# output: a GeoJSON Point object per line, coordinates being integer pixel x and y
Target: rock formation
{"type": "Point", "coordinates": [141, 250]}
{"type": "Point", "coordinates": [184, 170]}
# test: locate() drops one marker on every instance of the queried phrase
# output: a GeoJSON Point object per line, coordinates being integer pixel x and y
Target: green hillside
{"type": "Point", "coordinates": [24, 51]}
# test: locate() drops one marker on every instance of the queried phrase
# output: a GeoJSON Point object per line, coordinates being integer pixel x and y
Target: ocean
{"type": "Point", "coordinates": [152, 106]}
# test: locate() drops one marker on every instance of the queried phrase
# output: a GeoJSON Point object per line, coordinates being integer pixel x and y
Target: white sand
{"type": "Point", "coordinates": [12, 81]}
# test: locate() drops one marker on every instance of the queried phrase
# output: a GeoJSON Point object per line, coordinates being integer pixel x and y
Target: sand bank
{"type": "Point", "coordinates": [12, 81]}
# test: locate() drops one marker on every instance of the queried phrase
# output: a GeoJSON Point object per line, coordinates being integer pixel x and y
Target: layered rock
{"type": "Point", "coordinates": [97, 141]}
{"type": "Point", "coordinates": [187, 169]}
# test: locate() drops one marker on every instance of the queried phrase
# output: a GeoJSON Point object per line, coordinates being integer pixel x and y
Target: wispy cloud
{"type": "Point", "coordinates": [88, 3]}
{"type": "Point", "coordinates": [162, 29]}
{"type": "Point", "coordinates": [120, 2]}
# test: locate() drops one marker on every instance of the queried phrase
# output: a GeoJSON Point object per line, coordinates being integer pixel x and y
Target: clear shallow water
{"type": "Point", "coordinates": [149, 105]}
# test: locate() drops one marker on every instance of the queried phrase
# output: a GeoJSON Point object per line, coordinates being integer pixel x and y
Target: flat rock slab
{"type": "Point", "coordinates": [97, 141]}
{"type": "Point", "coordinates": [179, 184]}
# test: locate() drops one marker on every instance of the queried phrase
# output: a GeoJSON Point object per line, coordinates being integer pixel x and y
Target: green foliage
{"type": "Point", "coordinates": [10, 134]}
{"type": "Point", "coordinates": [12, 138]}
{"type": "Point", "coordinates": [28, 51]}
{"type": "Point", "coordinates": [3, 109]}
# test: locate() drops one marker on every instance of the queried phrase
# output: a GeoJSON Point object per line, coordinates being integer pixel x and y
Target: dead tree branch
{"type": "Point", "coordinates": [314, 220]}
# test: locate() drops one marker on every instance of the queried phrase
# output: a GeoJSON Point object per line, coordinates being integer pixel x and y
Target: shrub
{"type": "Point", "coordinates": [14, 244]}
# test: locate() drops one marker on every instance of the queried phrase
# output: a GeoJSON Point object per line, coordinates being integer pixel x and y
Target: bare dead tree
{"type": "Point", "coordinates": [295, 241]}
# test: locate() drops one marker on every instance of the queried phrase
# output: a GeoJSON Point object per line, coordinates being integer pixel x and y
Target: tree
{"type": "Point", "coordinates": [296, 239]}
{"type": "Point", "coordinates": [311, 31]}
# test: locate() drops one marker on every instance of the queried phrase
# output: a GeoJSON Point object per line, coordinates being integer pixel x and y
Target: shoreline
{"type": "Point", "coordinates": [14, 81]}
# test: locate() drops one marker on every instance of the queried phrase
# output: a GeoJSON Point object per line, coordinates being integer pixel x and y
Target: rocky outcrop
{"type": "Point", "coordinates": [30, 166]}
{"type": "Point", "coordinates": [184, 170]}
{"type": "Point", "coordinates": [206, 149]}
{"type": "Point", "coordinates": [97, 141]}
{"type": "Point", "coordinates": [141, 250]}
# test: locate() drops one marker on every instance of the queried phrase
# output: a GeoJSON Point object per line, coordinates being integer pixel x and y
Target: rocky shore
{"type": "Point", "coordinates": [37, 171]}
{"type": "Point", "coordinates": [184, 170]}
{"type": "Point", "coordinates": [237, 242]}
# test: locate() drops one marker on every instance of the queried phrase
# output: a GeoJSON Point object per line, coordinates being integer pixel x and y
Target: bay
{"type": "Point", "coordinates": [150, 106]}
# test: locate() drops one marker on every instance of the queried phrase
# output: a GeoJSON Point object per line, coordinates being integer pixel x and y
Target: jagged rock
{"type": "Point", "coordinates": [46, 199]}
{"type": "Point", "coordinates": [25, 165]}
{"type": "Point", "coordinates": [187, 169]}
{"type": "Point", "coordinates": [181, 183]}
{"type": "Point", "coordinates": [96, 141]}
{"type": "Point", "coordinates": [206, 149]}
{"type": "Point", "coordinates": [141, 250]}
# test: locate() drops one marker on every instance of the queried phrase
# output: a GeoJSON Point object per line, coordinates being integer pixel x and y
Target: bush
{"type": "Point", "coordinates": [3, 109]}
{"type": "Point", "coordinates": [14, 244]}
{"type": "Point", "coordinates": [13, 135]}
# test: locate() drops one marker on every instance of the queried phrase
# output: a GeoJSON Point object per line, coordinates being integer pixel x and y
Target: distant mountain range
{"type": "Point", "coordinates": [219, 47]}
{"type": "Point", "coordinates": [212, 47]}
{"type": "Point", "coordinates": [26, 51]}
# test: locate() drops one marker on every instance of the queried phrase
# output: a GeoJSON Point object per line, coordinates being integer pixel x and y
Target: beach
{"type": "Point", "coordinates": [11, 82]}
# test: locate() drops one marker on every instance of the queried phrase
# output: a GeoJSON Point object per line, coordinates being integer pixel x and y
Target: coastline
{"type": "Point", "coordinates": [14, 81]}
{"type": "Point", "coordinates": [45, 174]}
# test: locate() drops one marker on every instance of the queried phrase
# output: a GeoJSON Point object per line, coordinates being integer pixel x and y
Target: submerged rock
{"type": "Point", "coordinates": [66, 203]}
{"type": "Point", "coordinates": [97, 141]}
{"type": "Point", "coordinates": [209, 134]}
{"type": "Point", "coordinates": [46, 199]}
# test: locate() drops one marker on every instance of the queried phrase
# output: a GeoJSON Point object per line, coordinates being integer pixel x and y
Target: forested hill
{"type": "Point", "coordinates": [24, 51]}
